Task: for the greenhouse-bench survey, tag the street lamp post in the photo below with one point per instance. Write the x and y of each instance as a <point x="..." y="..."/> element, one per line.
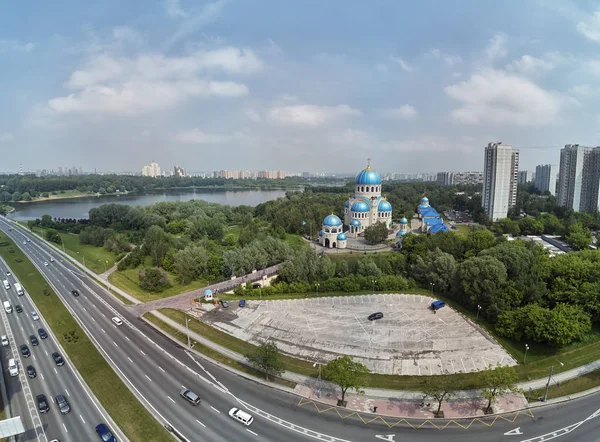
<point x="526" y="349"/>
<point x="478" y="309"/>
<point x="187" y="328"/>
<point x="432" y="284"/>
<point x="319" y="383"/>
<point x="317" y="285"/>
<point x="548" y="383"/>
<point x="373" y="282"/>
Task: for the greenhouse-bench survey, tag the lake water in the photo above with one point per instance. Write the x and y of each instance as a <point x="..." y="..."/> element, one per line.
<point x="79" y="207"/>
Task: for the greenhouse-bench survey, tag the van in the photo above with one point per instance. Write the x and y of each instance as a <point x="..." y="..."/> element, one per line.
<point x="6" y="284"/>
<point x="436" y="305"/>
<point x="19" y="289"/>
<point x="7" y="307"/>
<point x="13" y="368"/>
<point x="241" y="416"/>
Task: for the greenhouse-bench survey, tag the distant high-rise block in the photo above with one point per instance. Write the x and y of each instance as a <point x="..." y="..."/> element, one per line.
<point x="151" y="170"/>
<point x="500" y="175"/>
<point x="579" y="178"/>
<point x="525" y="176"/>
<point x="455" y="178"/>
<point x="545" y="178"/>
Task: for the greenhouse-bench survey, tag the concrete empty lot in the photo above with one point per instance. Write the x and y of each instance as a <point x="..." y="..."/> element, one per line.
<point x="409" y="340"/>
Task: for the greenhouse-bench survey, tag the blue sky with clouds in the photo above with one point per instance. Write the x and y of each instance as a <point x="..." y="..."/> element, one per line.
<point x="309" y="85"/>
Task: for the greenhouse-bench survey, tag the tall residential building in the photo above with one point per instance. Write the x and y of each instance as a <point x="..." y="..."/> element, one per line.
<point x="500" y="175"/>
<point x="545" y="178"/>
<point x="525" y="176"/>
<point x="153" y="170"/>
<point x="178" y="172"/>
<point x="454" y="178"/>
<point x="579" y="178"/>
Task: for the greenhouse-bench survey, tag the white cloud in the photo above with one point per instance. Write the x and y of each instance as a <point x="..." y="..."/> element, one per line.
<point x="309" y="115"/>
<point x="174" y="9"/>
<point x="498" y="97"/>
<point x="15" y="46"/>
<point x="209" y="14"/>
<point x="402" y="63"/>
<point x="404" y="112"/>
<point x="350" y="136"/>
<point x="593" y="66"/>
<point x="591" y="27"/>
<point x="253" y="115"/>
<point x="497" y="47"/>
<point x="197" y="136"/>
<point x="449" y="60"/>
<point x="532" y="65"/>
<point x="581" y="89"/>
<point x="125" y="34"/>
<point x="6" y="137"/>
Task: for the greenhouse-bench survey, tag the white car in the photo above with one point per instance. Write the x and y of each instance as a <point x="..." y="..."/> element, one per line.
<point x="28" y="240"/>
<point x="241" y="416"/>
<point x="35" y="316"/>
<point x="45" y="263"/>
<point x="4" y="340"/>
<point x="51" y="259"/>
<point x="24" y="242"/>
<point x="117" y="321"/>
<point x="7" y="273"/>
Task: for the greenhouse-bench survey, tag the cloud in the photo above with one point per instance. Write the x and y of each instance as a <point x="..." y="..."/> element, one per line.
<point x="591" y="27"/>
<point x="210" y="13"/>
<point x="498" y="97"/>
<point x="15" y="46"/>
<point x="148" y="82"/>
<point x="125" y="34"/>
<point x="253" y="115"/>
<point x="6" y="137"/>
<point x="197" y="136"/>
<point x="582" y="90"/>
<point x="350" y="136"/>
<point x="404" y="112"/>
<point x="497" y="47"/>
<point x="593" y="67"/>
<point x="403" y="65"/>
<point x="174" y="10"/>
<point x="309" y="115"/>
<point x="449" y="60"/>
<point x="532" y="65"/>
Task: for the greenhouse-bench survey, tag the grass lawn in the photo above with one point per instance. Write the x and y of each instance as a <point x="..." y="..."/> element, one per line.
<point x="128" y="280"/>
<point x="95" y="257"/>
<point x="182" y="338"/>
<point x="295" y="241"/>
<point x="117" y="399"/>
<point x="566" y="388"/>
<point x="463" y="228"/>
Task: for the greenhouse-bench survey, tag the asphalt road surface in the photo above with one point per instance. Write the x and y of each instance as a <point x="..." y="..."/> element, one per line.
<point x="156" y="369"/>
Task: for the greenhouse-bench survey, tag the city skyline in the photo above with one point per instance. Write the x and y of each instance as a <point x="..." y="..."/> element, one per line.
<point x="207" y="83"/>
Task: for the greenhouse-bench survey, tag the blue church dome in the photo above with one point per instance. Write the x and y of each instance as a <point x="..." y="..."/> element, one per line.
<point x="384" y="206"/>
<point x="347" y="203"/>
<point x="403" y="220"/>
<point x="368" y="176"/>
<point x="402" y="233"/>
<point x="424" y="200"/>
<point x="332" y="221"/>
<point x="360" y="206"/>
<point x="320" y="233"/>
<point x="341" y="237"/>
<point x="355" y="223"/>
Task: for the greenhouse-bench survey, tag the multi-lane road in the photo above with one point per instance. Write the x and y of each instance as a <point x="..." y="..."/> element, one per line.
<point x="156" y="369"/>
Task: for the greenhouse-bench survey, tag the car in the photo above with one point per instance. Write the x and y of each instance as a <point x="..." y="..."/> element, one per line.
<point x="190" y="396"/>
<point x="28" y="240"/>
<point x="117" y="321"/>
<point x="42" y="333"/>
<point x="45" y="263"/>
<point x="25" y="351"/>
<point x="374" y="316"/>
<point x="42" y="403"/>
<point x="31" y="372"/>
<point x="58" y="359"/>
<point x="51" y="259"/>
<point x="18" y="308"/>
<point x="241" y="416"/>
<point x="104" y="433"/>
<point x="74" y="292"/>
<point x="24" y="242"/>
<point x="35" y="316"/>
<point x="242" y="303"/>
<point x="4" y="340"/>
<point x="224" y="303"/>
<point x="34" y="340"/>
<point x="7" y="273"/>
<point x="62" y="403"/>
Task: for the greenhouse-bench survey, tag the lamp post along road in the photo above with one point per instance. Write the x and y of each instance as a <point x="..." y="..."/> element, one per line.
<point x="373" y="282"/>
<point x="317" y="288"/>
<point x="187" y="328"/>
<point x="432" y="284"/>
<point x="319" y="383"/>
<point x="526" y="349"/>
<point x="549" y="379"/>
<point x="478" y="309"/>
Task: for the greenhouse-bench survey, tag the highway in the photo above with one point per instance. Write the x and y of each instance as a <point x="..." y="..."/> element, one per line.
<point x="156" y="369"/>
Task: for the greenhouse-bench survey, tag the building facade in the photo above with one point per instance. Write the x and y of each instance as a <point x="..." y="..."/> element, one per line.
<point x="456" y="178"/>
<point x="525" y="176"/>
<point x="579" y="178"/>
<point x="545" y="178"/>
<point x="431" y="221"/>
<point x="500" y="175"/>
<point x="151" y="170"/>
<point x="332" y="233"/>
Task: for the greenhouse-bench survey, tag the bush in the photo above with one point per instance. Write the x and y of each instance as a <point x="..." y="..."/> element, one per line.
<point x="131" y="261"/>
<point x="153" y="280"/>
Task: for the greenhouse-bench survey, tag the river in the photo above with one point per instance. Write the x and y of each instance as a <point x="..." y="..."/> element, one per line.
<point x="80" y="207"/>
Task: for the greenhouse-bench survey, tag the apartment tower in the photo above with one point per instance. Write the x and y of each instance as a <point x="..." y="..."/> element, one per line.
<point x="545" y="178"/>
<point x="579" y="178"/>
<point x="500" y="177"/>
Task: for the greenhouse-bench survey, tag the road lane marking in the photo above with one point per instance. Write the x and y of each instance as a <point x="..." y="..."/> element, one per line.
<point x="148" y="378"/>
<point x="84" y="309"/>
<point x="82" y="419"/>
<point x="46" y="352"/>
<point x="34" y="358"/>
<point x="55" y="370"/>
<point x="103" y="314"/>
<point x="127" y="338"/>
<point x="115" y="344"/>
<point x="200" y="423"/>
<point x="102" y="330"/>
<point x="93" y="319"/>
<point x="67" y="392"/>
<point x="42" y="375"/>
<point x="130" y="359"/>
<point x="171" y="399"/>
<point x="142" y="351"/>
<point x="250" y="431"/>
<point x="215" y="409"/>
<point x="65" y="427"/>
<point x="161" y="369"/>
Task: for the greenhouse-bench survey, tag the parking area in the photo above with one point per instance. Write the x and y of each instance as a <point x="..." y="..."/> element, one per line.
<point x="409" y="340"/>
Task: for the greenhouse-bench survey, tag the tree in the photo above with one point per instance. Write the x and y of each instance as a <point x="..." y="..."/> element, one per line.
<point x="52" y="235"/>
<point x="346" y="373"/>
<point x="376" y="233"/>
<point x="157" y="242"/>
<point x="498" y="381"/>
<point x="46" y="221"/>
<point x="579" y="237"/>
<point x="441" y="389"/>
<point x="266" y="359"/>
<point x="531" y="226"/>
<point x="190" y="263"/>
<point x="153" y="280"/>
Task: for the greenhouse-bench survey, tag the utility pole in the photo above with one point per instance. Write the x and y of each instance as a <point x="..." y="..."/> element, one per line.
<point x="187" y="328"/>
<point x="548" y="383"/>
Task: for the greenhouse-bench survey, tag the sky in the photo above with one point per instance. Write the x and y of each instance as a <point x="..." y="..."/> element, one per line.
<point x="306" y="85"/>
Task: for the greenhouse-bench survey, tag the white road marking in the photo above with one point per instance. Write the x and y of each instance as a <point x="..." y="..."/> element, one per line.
<point x="148" y="378"/>
<point x="250" y="431"/>
<point x="130" y="360"/>
<point x="103" y="314"/>
<point x="215" y="409"/>
<point x="171" y="399"/>
<point x="41" y="375"/>
<point x="84" y="309"/>
<point x="514" y="432"/>
<point x="93" y="319"/>
<point x="55" y="370"/>
<point x="142" y="351"/>
<point x="200" y="423"/>
<point x="115" y="344"/>
<point x="127" y="338"/>
<point x="67" y="392"/>
<point x="46" y="352"/>
<point x="65" y="427"/>
<point x="102" y="330"/>
<point x="161" y="369"/>
<point x="82" y="418"/>
<point x="34" y="358"/>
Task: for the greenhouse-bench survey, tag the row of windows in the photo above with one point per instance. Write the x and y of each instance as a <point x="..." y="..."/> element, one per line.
<point x="371" y="189"/>
<point x="360" y="215"/>
<point x="333" y="230"/>
<point x="384" y="214"/>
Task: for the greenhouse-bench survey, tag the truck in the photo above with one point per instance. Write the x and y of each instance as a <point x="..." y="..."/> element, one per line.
<point x="19" y="289"/>
<point x="7" y="307"/>
<point x="6" y="284"/>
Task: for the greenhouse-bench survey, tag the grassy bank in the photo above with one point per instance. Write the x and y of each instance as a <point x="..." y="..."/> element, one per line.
<point x="566" y="388"/>
<point x="182" y="338"/>
<point x="116" y="398"/>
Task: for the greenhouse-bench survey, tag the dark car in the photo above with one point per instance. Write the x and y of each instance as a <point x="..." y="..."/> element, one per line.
<point x="18" y="308"/>
<point x="42" y="403"/>
<point x="190" y="396"/>
<point x="58" y="358"/>
<point x="105" y="433"/>
<point x="34" y="340"/>
<point x="375" y="316"/>
<point x="224" y="303"/>
<point x="63" y="404"/>
<point x="25" y="351"/>
<point x="74" y="292"/>
<point x="242" y="303"/>
<point x="31" y="371"/>
<point x="42" y="333"/>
